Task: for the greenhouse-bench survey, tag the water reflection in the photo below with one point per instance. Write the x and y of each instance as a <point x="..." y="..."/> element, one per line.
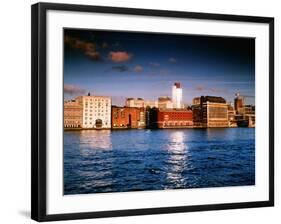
<point x="95" y="169"/>
<point x="177" y="150"/>
<point x="92" y="140"/>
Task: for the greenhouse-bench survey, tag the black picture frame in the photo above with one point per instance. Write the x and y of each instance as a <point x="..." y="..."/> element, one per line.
<point x="38" y="108"/>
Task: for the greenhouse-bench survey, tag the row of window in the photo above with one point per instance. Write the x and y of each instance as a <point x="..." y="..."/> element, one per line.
<point x="97" y="111"/>
<point x="177" y="124"/>
<point x="98" y="106"/>
<point x="90" y="123"/>
<point x="97" y="99"/>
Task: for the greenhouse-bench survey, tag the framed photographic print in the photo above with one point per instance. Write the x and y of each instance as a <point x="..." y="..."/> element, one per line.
<point x="138" y="111"/>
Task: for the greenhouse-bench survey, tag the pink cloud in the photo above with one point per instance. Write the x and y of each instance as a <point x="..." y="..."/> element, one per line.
<point x="138" y="68"/>
<point x="88" y="48"/>
<point x="119" y="56"/>
<point x="199" y="88"/>
<point x="73" y="89"/>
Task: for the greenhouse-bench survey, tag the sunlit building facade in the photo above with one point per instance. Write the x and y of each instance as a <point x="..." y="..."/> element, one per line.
<point x="72" y="114"/>
<point x="96" y="111"/>
<point x="134" y="102"/>
<point x="172" y="118"/>
<point x="165" y="102"/>
<point x="127" y="117"/>
<point x="177" y="96"/>
<point x="210" y="112"/>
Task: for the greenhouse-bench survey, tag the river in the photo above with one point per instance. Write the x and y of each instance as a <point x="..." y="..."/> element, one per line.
<point x="133" y="160"/>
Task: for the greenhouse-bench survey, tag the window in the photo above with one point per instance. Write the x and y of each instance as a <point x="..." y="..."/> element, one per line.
<point x="115" y="114"/>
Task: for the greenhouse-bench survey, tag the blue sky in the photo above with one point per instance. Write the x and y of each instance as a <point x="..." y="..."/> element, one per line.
<point x="123" y="64"/>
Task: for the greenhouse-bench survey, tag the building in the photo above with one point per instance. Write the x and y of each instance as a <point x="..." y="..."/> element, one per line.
<point x="96" y="111"/>
<point x="246" y="117"/>
<point x="72" y="114"/>
<point x="177" y="95"/>
<point x="174" y="118"/>
<point x="238" y="103"/>
<point x="231" y="116"/>
<point x="210" y="112"/>
<point x="151" y="103"/>
<point x="196" y="101"/>
<point x="165" y="102"/>
<point x="134" y="102"/>
<point x="127" y="117"/>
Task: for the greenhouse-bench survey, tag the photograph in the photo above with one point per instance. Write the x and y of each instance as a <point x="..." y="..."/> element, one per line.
<point x="150" y="111"/>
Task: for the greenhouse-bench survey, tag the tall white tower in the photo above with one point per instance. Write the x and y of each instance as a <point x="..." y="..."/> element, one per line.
<point x="177" y="95"/>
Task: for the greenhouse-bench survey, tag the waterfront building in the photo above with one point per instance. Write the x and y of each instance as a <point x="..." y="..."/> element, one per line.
<point x="247" y="116"/>
<point x="177" y="95"/>
<point x="210" y="112"/>
<point x="96" y="111"/>
<point x="231" y="116"/>
<point x="134" y="102"/>
<point x="127" y="117"/>
<point x="72" y="113"/>
<point x="165" y="102"/>
<point x="174" y="118"/>
<point x="238" y="103"/>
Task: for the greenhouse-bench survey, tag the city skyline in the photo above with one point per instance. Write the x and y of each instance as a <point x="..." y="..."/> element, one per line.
<point x="122" y="65"/>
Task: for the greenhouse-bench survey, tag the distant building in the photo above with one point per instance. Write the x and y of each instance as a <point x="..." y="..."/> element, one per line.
<point x="196" y="101"/>
<point x="150" y="103"/>
<point x="140" y="103"/>
<point x="210" y="112"/>
<point x="165" y="103"/>
<point x="127" y="117"/>
<point x="177" y="95"/>
<point x="96" y="111"/>
<point x="134" y="102"/>
<point x="231" y="116"/>
<point x="72" y="113"/>
<point x="174" y="118"/>
<point x="238" y="103"/>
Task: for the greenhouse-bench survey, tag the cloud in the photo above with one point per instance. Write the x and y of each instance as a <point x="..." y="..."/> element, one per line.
<point x="120" y="68"/>
<point x="199" y="88"/>
<point x="93" y="55"/>
<point x="163" y="71"/>
<point x="138" y="68"/>
<point x="172" y="60"/>
<point x="73" y="89"/>
<point x="119" y="56"/>
<point x="88" y="48"/>
<point x="154" y="64"/>
<point x="215" y="90"/>
<point x="105" y="45"/>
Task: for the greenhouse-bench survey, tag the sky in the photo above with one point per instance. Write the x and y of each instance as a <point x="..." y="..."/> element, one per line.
<point x="146" y="65"/>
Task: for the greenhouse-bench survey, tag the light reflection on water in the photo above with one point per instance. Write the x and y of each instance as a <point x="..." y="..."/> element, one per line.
<point x="129" y="160"/>
<point x="177" y="149"/>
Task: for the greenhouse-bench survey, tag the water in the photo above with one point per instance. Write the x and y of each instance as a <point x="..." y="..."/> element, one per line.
<point x="133" y="160"/>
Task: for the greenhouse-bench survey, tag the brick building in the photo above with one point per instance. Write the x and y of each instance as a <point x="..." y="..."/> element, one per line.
<point x="127" y="117"/>
<point x="73" y="112"/>
<point x="174" y="118"/>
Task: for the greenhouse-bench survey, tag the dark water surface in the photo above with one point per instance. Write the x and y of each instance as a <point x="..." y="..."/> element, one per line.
<point x="130" y="160"/>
